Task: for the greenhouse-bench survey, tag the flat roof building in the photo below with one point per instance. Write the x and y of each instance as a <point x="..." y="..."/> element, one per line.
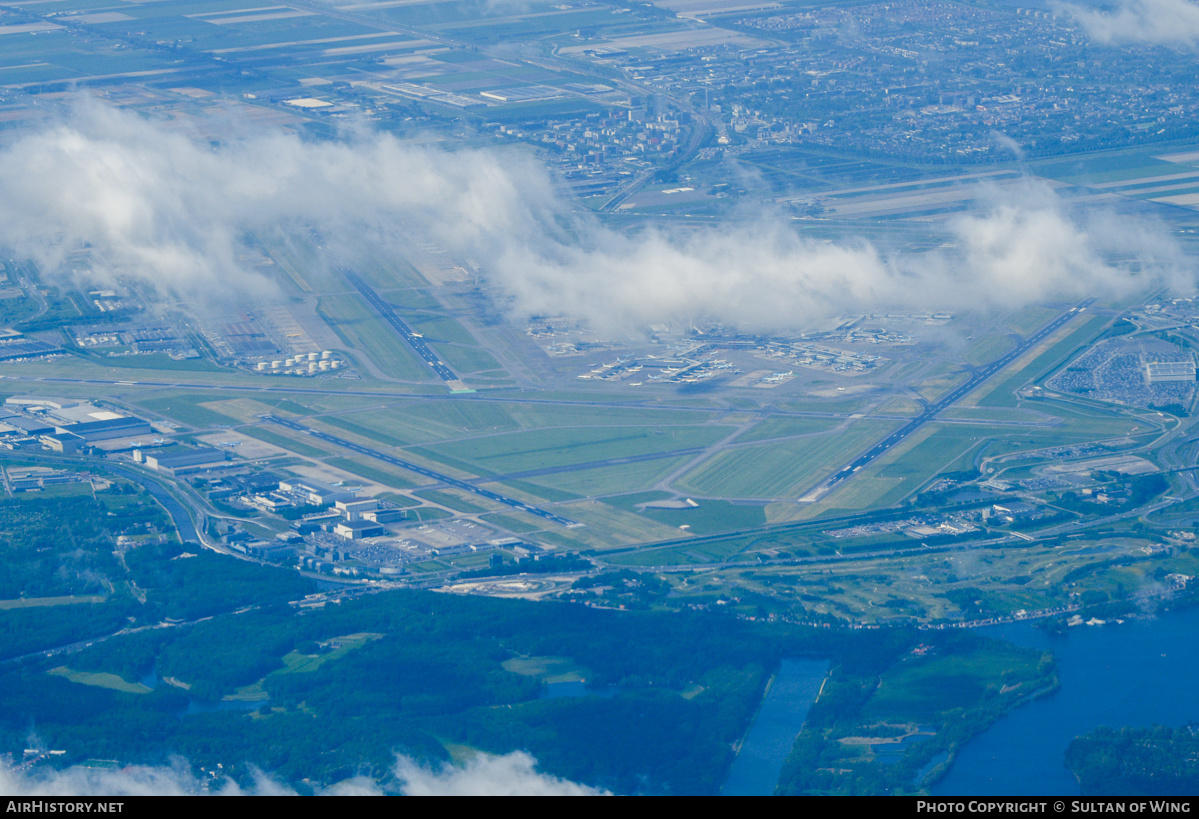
<point x="29" y="426"/>
<point x="181" y="461"/>
<point x="1157" y="372"/>
<point x="317" y="493"/>
<point x="353" y="509"/>
<point x="62" y="442"/>
<point x="107" y="429"/>
<point x="358" y="529"/>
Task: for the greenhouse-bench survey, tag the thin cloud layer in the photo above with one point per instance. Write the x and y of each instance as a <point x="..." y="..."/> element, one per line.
<point x="1020" y="247"/>
<point x="1167" y="22"/>
<point x="134" y="780"/>
<point x="172" y="213"/>
<point x="513" y="774"/>
<point x="162" y="209"/>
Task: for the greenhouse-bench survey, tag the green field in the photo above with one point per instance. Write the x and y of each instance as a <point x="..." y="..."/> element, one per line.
<point x="430" y="421"/>
<point x="286" y="442"/>
<point x="776" y="427"/>
<point x="611" y="480"/>
<point x="780" y="470"/>
<point x="921" y="689"/>
<point x="101" y="679"/>
<point x="376" y="471"/>
<point x="1001" y="393"/>
<point x="472" y="361"/>
<point x="538" y="449"/>
<point x="451" y="499"/>
<point x="364" y="434"/>
<point x="989" y="348"/>
<point x="905" y="469"/>
<point x="357" y="325"/>
<point x="709" y="552"/>
<point x="709" y="517"/>
<point x="35" y="602"/>
<point x="547" y="669"/>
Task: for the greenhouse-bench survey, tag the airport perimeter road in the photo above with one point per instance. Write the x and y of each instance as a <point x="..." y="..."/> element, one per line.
<point x="389" y="315"/>
<point x="420" y="470"/>
<point x="980" y="376"/>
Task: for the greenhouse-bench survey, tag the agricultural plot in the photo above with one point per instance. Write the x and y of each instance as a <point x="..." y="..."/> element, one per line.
<point x="483" y="32"/>
<point x="1113" y="166"/>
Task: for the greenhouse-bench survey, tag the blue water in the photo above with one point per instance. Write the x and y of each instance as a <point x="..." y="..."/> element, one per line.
<point x="889" y="753"/>
<point x="198" y="707"/>
<point x="755" y="771"/>
<point x="1137" y="674"/>
<point x="576" y="689"/>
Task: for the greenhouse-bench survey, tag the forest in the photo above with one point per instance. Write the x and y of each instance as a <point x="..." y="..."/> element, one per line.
<point x="1154" y="761"/>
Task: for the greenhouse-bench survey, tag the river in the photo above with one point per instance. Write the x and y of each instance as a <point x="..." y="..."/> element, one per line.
<point x="755" y="771"/>
<point x="1139" y="673"/>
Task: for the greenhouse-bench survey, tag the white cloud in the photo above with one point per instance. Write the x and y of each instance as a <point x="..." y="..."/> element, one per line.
<point x="174" y="780"/>
<point x="513" y="774"/>
<point x="1021" y="246"/>
<point x="170" y="211"/>
<point x="1169" y="22"/>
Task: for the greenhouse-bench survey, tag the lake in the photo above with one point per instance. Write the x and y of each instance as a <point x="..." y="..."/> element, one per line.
<point x="1136" y="674"/>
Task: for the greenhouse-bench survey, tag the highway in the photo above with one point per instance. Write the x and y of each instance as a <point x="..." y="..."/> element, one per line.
<point x="981" y="375"/>
<point x="389" y="315"/>
<point x="420" y="470"/>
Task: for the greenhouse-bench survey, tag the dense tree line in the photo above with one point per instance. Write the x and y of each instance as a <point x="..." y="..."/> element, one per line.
<point x="1156" y="761"/>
